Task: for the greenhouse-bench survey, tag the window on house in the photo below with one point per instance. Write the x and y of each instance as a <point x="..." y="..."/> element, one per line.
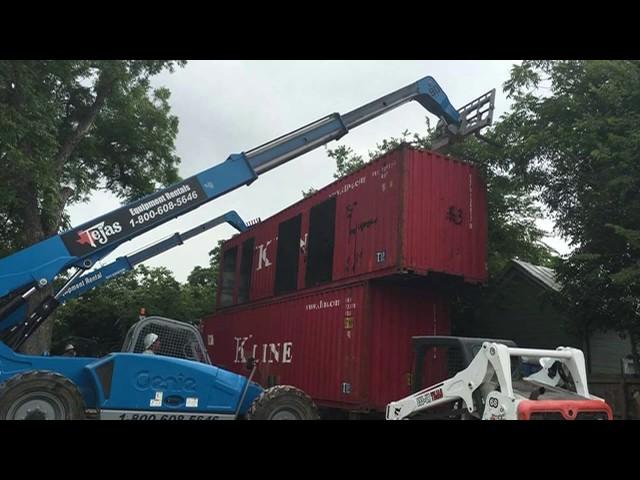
<point x="287" y="255"/>
<point x="228" y="277"/>
<point x="246" y="262"/>
<point x="322" y="225"/>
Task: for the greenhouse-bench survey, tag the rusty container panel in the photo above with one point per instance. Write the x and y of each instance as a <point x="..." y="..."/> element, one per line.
<point x="368" y="212"/>
<point x="265" y="246"/>
<point x="347" y="347"/>
<point x="312" y="341"/>
<point x="445" y="223"/>
<point x="399" y="312"/>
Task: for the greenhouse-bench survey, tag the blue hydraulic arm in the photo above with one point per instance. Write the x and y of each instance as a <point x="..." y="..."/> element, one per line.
<point x="126" y="263"/>
<point x="18" y="333"/>
<point x="23" y="272"/>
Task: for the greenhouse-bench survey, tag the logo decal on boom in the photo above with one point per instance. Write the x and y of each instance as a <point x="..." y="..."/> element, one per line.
<point x="98" y="233"/>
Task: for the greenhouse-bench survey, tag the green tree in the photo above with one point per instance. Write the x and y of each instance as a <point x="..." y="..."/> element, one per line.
<point x="69" y="127"/>
<point x="310" y="191"/>
<point x="103" y="315"/>
<point x="574" y="133"/>
<point x="202" y="286"/>
<point x="347" y="161"/>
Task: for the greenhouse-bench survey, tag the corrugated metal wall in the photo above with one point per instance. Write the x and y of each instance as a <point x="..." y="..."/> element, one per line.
<point x="445" y="224"/>
<point x="316" y="352"/>
<point x="399" y="312"/>
<point x="346" y="347"/>
<point x="367" y="219"/>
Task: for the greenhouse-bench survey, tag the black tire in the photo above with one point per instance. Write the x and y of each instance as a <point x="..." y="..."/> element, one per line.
<point x="283" y="402"/>
<point x="40" y="395"/>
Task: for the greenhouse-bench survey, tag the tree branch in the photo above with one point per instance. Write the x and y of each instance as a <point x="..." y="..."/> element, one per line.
<point x="32" y="223"/>
<point x="52" y="216"/>
<point x="104" y="86"/>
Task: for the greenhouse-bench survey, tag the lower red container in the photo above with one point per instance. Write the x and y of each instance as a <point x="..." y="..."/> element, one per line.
<point x="347" y="347"/>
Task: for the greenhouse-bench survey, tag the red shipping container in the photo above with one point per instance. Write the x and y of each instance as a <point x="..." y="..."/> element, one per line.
<point x="410" y="212"/>
<point x="348" y="347"/>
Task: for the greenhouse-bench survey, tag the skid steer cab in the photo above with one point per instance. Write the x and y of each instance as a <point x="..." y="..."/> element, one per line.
<point x="176" y="382"/>
<point x="496" y="380"/>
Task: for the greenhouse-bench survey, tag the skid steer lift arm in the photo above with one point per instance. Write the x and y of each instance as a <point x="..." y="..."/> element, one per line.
<point x="493" y="360"/>
<point x="35" y="267"/>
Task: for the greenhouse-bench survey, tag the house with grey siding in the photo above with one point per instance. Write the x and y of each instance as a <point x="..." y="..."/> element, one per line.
<point x="521" y="308"/>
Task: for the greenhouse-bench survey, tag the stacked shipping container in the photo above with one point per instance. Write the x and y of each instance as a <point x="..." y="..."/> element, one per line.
<point x="319" y="291"/>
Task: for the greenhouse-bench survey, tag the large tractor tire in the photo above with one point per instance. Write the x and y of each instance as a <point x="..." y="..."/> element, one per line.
<point x="283" y="402"/>
<point x="40" y="395"/>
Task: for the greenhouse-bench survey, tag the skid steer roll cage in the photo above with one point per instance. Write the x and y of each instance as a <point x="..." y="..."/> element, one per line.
<point x="493" y="359"/>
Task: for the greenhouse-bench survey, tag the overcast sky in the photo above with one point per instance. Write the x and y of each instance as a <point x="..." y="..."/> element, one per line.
<point x="228" y="107"/>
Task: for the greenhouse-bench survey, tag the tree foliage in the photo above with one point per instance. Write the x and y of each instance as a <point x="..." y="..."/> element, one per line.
<point x="573" y="132"/>
<point x="103" y="315"/>
<point x="202" y="286"/>
<point x="307" y="193"/>
<point x="69" y="127"/>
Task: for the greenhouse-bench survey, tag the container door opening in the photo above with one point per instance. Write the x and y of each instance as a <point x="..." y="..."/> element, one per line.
<point x="246" y="262"/>
<point x="287" y="255"/>
<point x="322" y="225"/>
<point x="228" y="277"/>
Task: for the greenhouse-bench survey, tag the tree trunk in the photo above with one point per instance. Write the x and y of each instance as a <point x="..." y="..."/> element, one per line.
<point x="33" y="232"/>
<point x="42" y="224"/>
<point x="38" y="227"/>
<point x="40" y="341"/>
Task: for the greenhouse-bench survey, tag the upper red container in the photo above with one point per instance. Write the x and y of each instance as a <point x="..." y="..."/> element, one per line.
<point x="408" y="212"/>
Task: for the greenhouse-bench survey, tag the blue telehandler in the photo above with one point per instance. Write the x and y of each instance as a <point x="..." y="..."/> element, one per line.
<point x="130" y="385"/>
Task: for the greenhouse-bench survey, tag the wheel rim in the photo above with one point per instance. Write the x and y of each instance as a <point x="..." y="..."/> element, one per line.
<point x="285" y="414"/>
<point x="37" y="406"/>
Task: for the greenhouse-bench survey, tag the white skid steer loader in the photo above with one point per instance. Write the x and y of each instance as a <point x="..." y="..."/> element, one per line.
<point x="490" y="388"/>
